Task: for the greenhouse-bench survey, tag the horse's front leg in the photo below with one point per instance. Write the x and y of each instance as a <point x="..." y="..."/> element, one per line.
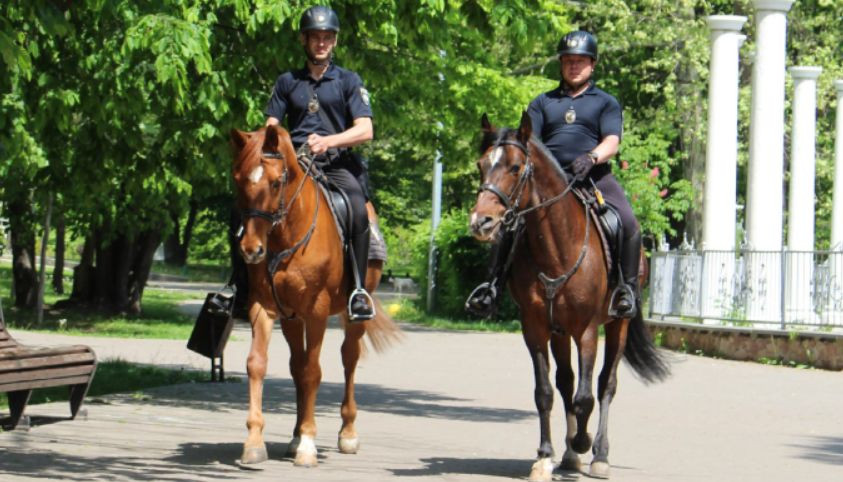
<point x="348" y="440"/>
<point x="254" y="450"/>
<point x="561" y="348"/>
<point x="311" y="377"/>
<point x="584" y="398"/>
<point x="606" y="386"/>
<point x="536" y="335"/>
<point x="294" y="333"/>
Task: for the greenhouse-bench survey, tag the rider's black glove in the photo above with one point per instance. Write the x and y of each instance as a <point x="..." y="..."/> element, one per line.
<point x="582" y="166"/>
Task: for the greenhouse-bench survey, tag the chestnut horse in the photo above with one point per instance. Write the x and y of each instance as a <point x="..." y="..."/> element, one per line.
<point x="560" y="282"/>
<point x="297" y="273"/>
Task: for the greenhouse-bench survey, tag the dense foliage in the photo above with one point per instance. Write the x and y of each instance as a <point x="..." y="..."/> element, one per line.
<point x="120" y="110"/>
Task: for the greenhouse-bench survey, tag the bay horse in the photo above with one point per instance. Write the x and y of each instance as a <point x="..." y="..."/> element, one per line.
<point x="297" y="273"/>
<point x="560" y="281"/>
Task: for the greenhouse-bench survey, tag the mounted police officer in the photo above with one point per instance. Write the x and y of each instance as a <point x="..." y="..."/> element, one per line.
<point x="582" y="126"/>
<point x="328" y="109"/>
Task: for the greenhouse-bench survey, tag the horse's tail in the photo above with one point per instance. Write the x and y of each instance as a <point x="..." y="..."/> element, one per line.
<point x="382" y="330"/>
<point x="641" y="354"/>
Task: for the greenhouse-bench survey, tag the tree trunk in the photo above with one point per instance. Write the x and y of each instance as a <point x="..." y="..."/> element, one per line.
<point x="23" y="256"/>
<point x="177" y="244"/>
<point x="104" y="270"/>
<point x="145" y="251"/>
<point x="58" y="262"/>
<point x="122" y="253"/>
<point x="83" y="274"/>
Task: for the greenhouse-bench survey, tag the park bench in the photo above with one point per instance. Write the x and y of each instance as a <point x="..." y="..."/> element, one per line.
<point x="24" y="368"/>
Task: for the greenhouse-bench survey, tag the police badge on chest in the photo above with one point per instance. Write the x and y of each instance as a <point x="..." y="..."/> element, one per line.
<point x="570" y="115"/>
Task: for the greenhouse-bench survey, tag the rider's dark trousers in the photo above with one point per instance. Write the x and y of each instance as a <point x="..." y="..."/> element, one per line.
<point x="340" y="177"/>
<point x="614" y="195"/>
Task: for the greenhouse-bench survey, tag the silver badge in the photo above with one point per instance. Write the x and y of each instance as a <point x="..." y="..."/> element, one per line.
<point x="574" y="42"/>
<point x="313" y="105"/>
<point x="365" y="95"/>
<point x="570" y="115"/>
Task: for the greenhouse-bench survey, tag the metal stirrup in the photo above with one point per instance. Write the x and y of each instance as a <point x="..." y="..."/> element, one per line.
<point x="361" y="292"/>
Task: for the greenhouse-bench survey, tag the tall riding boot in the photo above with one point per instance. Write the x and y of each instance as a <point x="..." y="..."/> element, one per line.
<point x="483" y="300"/>
<point x="361" y="307"/>
<point x="626" y="294"/>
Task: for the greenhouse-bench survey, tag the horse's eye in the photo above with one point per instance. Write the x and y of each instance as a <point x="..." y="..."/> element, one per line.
<point x="515" y="168"/>
<point x="276" y="184"/>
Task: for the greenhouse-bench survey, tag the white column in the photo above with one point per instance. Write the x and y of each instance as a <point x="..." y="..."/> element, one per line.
<point x="766" y="141"/>
<point x="765" y="195"/>
<point x="800" y="228"/>
<point x="721" y="159"/>
<point x="837" y="209"/>
<point x="800" y="232"/>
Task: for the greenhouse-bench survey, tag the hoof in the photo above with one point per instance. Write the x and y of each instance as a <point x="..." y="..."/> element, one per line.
<point x="570" y="461"/>
<point x="581" y="443"/>
<point x="599" y="470"/>
<point x="542" y="470"/>
<point x="348" y="445"/>
<point x="253" y="455"/>
<point x="305" y="453"/>
<point x="292" y="447"/>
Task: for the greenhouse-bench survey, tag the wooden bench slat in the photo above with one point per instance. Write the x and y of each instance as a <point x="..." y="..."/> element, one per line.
<point x="46" y="362"/>
<point x="36" y="352"/>
<point x="45" y="373"/>
<point x="55" y="382"/>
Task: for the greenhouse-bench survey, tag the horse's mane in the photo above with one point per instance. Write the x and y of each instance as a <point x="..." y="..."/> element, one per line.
<point x="491" y="138"/>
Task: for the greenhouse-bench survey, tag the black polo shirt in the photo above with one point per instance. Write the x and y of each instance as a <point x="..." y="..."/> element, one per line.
<point x="341" y="95"/>
<point x="571" y="126"/>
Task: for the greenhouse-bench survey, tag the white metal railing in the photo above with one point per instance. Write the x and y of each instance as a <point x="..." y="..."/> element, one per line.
<point x="783" y="289"/>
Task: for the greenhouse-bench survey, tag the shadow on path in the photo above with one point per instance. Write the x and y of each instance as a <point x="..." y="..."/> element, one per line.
<point x="827" y="450"/>
<point x="279" y="397"/>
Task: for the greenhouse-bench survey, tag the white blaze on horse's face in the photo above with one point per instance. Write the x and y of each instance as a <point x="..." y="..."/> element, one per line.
<point x="256" y="175"/>
<point x="495" y="157"/>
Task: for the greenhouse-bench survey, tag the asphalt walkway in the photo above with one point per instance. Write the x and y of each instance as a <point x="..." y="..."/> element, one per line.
<point x="439" y="406"/>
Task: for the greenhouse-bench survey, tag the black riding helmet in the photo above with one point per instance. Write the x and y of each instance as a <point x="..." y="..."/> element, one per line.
<point x="578" y="42"/>
<point x="319" y="18"/>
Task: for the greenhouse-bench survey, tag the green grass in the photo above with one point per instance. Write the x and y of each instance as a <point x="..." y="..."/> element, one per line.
<point x="160" y="318"/>
<point x="118" y="376"/>
<point x="407" y="311"/>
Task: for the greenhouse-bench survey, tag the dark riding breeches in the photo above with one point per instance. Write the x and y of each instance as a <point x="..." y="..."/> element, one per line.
<point x="614" y="195"/>
<point x="345" y="181"/>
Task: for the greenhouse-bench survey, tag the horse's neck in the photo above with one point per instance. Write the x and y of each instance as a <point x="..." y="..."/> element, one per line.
<point x="299" y="204"/>
<point x="555" y="227"/>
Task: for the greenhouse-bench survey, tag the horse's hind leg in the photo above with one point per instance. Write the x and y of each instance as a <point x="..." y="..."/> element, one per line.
<point x="254" y="450"/>
<point x="606" y="386"/>
<point x="348" y="441"/>
<point x="561" y="347"/>
<point x="584" y="398"/>
<point x="536" y="338"/>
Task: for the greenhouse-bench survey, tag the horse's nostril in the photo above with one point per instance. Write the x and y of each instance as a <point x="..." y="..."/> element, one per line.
<point x="259" y="251"/>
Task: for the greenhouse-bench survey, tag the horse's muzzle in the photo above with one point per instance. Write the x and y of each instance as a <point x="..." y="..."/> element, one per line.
<point x="484" y="227"/>
<point x="253" y="255"/>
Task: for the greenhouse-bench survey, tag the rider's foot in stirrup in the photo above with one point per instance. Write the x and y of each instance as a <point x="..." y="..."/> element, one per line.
<point x="625" y="304"/>
<point x="481" y="301"/>
<point x="360" y="307"/>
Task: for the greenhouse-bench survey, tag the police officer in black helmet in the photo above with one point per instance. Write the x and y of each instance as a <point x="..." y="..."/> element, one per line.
<point x="582" y="126"/>
<point x="328" y="109"/>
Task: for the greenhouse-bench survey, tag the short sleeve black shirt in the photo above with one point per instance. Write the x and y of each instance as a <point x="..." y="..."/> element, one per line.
<point x="571" y="126"/>
<point x="341" y="95"/>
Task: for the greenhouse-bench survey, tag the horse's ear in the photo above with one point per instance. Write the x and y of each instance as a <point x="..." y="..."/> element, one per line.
<point x="238" y="139"/>
<point x="270" y="142"/>
<point x="484" y="122"/>
<point x="525" y="130"/>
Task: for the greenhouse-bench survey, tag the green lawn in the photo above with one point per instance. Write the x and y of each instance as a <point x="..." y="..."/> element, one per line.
<point x="118" y="376"/>
<point x="161" y="317"/>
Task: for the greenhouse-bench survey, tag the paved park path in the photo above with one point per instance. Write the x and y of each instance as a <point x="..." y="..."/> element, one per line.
<point x="439" y="406"/>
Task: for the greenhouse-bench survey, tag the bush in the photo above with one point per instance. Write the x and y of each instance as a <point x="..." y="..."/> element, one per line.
<point x="462" y="264"/>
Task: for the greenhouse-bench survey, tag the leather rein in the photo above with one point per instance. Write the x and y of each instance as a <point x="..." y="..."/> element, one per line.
<point x="513" y="220"/>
